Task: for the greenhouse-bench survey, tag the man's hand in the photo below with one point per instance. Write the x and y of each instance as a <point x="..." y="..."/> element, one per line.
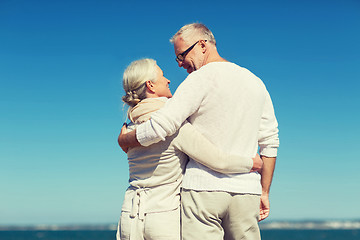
<point x="257" y="163"/>
<point x="266" y="178"/>
<point x="264" y="206"/>
<point x="121" y="138"/>
<point x="127" y="139"/>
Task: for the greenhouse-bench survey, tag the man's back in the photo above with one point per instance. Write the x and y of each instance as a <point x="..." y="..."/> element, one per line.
<point x="230" y="115"/>
<point x="231" y="110"/>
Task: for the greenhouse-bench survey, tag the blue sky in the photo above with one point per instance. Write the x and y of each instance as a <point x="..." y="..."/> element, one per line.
<point x="61" y="64"/>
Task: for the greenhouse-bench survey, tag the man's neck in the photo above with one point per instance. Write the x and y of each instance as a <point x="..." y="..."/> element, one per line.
<point x="214" y="57"/>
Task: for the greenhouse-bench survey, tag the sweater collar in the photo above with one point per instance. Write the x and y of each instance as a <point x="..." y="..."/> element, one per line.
<point x="143" y="110"/>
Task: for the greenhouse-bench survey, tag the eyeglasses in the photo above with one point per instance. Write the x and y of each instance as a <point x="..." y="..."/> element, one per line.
<point x="181" y="57"/>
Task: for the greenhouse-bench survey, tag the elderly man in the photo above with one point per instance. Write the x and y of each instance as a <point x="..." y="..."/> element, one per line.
<point x="232" y="108"/>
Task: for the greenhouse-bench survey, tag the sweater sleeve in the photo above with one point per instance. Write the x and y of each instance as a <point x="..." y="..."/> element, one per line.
<point x="196" y="146"/>
<point x="165" y="122"/>
<point x="268" y="137"/>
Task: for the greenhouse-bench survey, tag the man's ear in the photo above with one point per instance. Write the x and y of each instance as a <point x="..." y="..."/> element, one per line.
<point x="150" y="86"/>
<point x="203" y="46"/>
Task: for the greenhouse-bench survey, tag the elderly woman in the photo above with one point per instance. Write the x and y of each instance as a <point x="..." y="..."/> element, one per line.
<point x="151" y="208"/>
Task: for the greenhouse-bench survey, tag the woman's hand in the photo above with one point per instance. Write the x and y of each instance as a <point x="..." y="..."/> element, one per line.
<point x="257" y="163"/>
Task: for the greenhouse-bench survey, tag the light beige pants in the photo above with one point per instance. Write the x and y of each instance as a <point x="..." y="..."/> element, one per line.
<point x="154" y="226"/>
<point x="219" y="215"/>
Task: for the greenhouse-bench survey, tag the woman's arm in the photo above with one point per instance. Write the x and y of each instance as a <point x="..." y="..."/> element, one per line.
<point x="199" y="148"/>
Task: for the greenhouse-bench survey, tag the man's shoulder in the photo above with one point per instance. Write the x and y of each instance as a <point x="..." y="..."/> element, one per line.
<point x="210" y="69"/>
<point x="222" y="66"/>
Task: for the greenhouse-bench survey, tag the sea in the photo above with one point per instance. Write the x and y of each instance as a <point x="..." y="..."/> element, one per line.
<point x="272" y="234"/>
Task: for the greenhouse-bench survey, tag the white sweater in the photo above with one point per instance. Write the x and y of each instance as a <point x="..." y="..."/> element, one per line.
<point x="156" y="171"/>
<point x="231" y="107"/>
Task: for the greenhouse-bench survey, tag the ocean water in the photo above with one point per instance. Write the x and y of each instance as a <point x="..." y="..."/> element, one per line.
<point x="58" y="235"/>
<point x="110" y="235"/>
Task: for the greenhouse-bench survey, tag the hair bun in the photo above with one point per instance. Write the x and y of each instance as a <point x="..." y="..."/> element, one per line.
<point x="131" y="98"/>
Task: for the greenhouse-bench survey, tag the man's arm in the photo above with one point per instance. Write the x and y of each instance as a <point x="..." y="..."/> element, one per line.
<point x="269" y="143"/>
<point x="267" y="173"/>
<point x="185" y="102"/>
<point x="127" y="139"/>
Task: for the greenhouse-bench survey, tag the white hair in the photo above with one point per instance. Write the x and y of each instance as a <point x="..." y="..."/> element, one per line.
<point x="134" y="80"/>
<point x="194" y="30"/>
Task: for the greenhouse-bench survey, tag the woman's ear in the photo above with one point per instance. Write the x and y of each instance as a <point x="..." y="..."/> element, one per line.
<point x="150" y="86"/>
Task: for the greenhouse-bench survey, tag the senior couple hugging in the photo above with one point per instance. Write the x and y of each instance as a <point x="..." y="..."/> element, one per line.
<point x="194" y="167"/>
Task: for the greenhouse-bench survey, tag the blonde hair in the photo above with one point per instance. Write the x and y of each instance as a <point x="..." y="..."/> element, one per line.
<point x="134" y="80"/>
<point x="189" y="31"/>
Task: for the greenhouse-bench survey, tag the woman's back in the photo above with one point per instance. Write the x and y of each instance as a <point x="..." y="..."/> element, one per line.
<point x="158" y="164"/>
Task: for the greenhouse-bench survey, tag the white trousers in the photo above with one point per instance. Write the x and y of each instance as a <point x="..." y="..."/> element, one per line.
<point x="153" y="226"/>
<point x="219" y="215"/>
